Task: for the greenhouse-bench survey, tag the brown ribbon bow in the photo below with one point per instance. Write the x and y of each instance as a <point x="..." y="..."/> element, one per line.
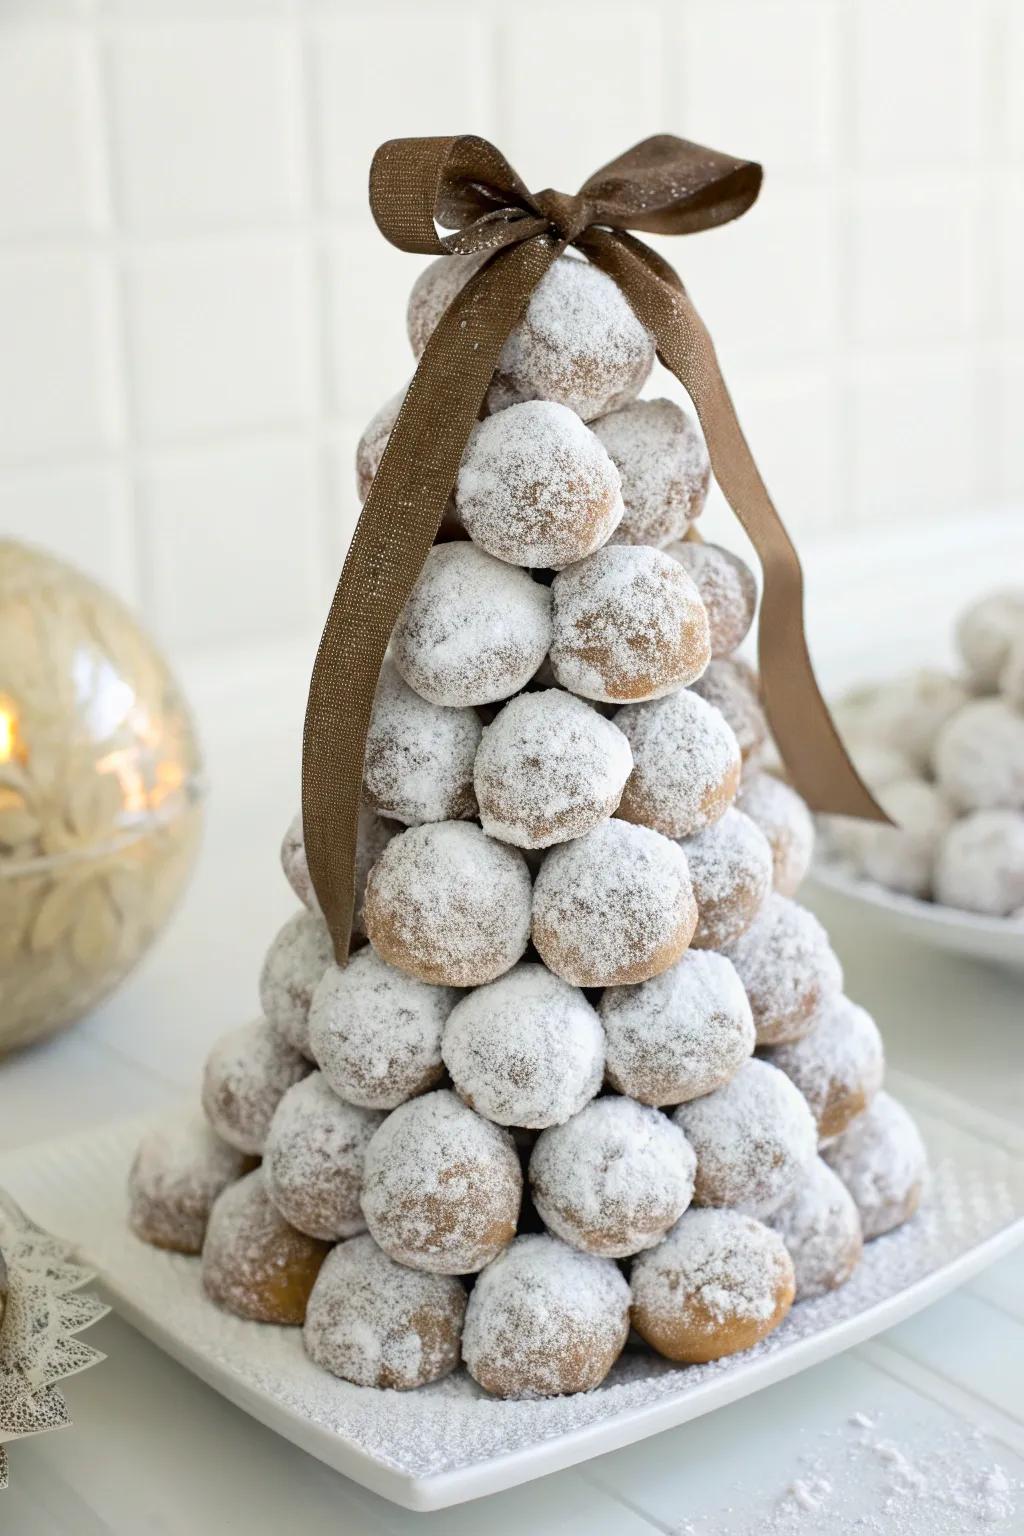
<point x="663" y="186"/>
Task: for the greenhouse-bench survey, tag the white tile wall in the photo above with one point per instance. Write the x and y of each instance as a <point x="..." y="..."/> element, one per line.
<point x="197" y="314"/>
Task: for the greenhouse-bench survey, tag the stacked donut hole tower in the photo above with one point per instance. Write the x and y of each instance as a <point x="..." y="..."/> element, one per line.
<point x="944" y="753"/>
<point x="579" y="1069"/>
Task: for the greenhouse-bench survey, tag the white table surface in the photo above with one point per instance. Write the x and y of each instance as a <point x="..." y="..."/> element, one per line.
<point x="153" y="1450"/>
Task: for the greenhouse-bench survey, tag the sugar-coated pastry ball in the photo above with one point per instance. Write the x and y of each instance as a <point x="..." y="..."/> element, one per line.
<point x="180" y="1168"/>
<point x="441" y="1186"/>
<point x="718" y="1284"/>
<point x="526" y="1050"/>
<point x="686" y="764"/>
<point x="379" y="1324"/>
<point x="979" y="757"/>
<point x="295" y="865"/>
<point x="579" y="342"/>
<point x="254" y="1263"/>
<point x="752" y="1137"/>
<point x="904" y="714"/>
<point x="370" y="448"/>
<point x="295" y="962"/>
<point x="372" y="836"/>
<point x="882" y="1161"/>
<point x="727" y="589"/>
<point x="474" y="629"/>
<point x="313" y="1159"/>
<point x="788" y="967"/>
<point x="613" y="1179"/>
<point x="731" y="869"/>
<point x="787" y="824"/>
<point x="614" y="906"/>
<point x="449" y="904"/>
<point x="660" y="454"/>
<point x="536" y="488"/>
<point x="985" y="633"/>
<point x="684" y="1033"/>
<point x="545" y="1320"/>
<point x="980" y="863"/>
<point x="549" y="768"/>
<point x="732" y="687"/>
<point x="375" y="1032"/>
<point x="820" y="1226"/>
<point x="838" y="1066"/>
<point x="247" y="1074"/>
<point x="902" y="856"/>
<point x="419" y="756"/>
<point x="628" y="624"/>
<point x="1011" y="677"/>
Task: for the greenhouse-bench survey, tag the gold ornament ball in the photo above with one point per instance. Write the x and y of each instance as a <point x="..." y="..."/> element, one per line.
<point x="100" y="793"/>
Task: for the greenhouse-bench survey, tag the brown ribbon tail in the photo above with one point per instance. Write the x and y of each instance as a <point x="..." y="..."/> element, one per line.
<point x="396" y="528"/>
<point x="806" y="736"/>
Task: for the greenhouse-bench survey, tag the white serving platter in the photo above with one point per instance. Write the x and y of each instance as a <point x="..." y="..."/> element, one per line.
<point x="449" y="1443"/>
<point x="995" y="939"/>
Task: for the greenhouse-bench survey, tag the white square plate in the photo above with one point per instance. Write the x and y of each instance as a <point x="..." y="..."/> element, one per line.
<point x="447" y="1443"/>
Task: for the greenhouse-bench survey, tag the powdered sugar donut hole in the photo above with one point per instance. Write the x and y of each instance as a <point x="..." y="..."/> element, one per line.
<point x="682" y="1034"/>
<point x="474" y="629"/>
<point x="526" y="1050"/>
<point x="295" y="962"/>
<point x="370" y="448"/>
<point x="613" y="1179"/>
<point x="178" y="1171"/>
<point x="905" y="714"/>
<point x="979" y="757"/>
<point x="660" y="454"/>
<point x="686" y="764"/>
<point x="902" y="856"/>
<point x="545" y="1320"/>
<point x="378" y="1324"/>
<point x="549" y="768"/>
<point x="787" y="824"/>
<point x="449" y="905"/>
<point x="313" y="1159"/>
<point x="882" y="1161"/>
<point x="838" y="1066"/>
<point x="294" y="864"/>
<point x="254" y="1263"/>
<point x="372" y="835"/>
<point x="375" y="1032"/>
<point x="1011" y="677"/>
<point x="820" y="1226"/>
<point x="980" y="863"/>
<point x="731" y="869"/>
<point x="752" y="1138"/>
<point x="613" y="907"/>
<point x="433" y="291"/>
<point x="628" y="624"/>
<point x="985" y="633"/>
<point x="789" y="969"/>
<point x="579" y="343"/>
<point x="247" y="1074"/>
<point x="441" y="1186"/>
<point x="419" y="756"/>
<point x="536" y="488"/>
<point x="719" y="1283"/>
<point x="727" y="589"/>
<point x="732" y="687"/>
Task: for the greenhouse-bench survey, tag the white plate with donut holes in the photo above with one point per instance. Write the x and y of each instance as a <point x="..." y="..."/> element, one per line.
<point x="449" y="1442"/>
<point x="995" y="939"/>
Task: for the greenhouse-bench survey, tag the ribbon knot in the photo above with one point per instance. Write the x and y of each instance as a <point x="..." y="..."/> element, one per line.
<point x="463" y="185"/>
<point x="567" y="214"/>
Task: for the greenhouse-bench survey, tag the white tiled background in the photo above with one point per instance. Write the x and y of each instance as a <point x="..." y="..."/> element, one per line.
<point x="197" y="315"/>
